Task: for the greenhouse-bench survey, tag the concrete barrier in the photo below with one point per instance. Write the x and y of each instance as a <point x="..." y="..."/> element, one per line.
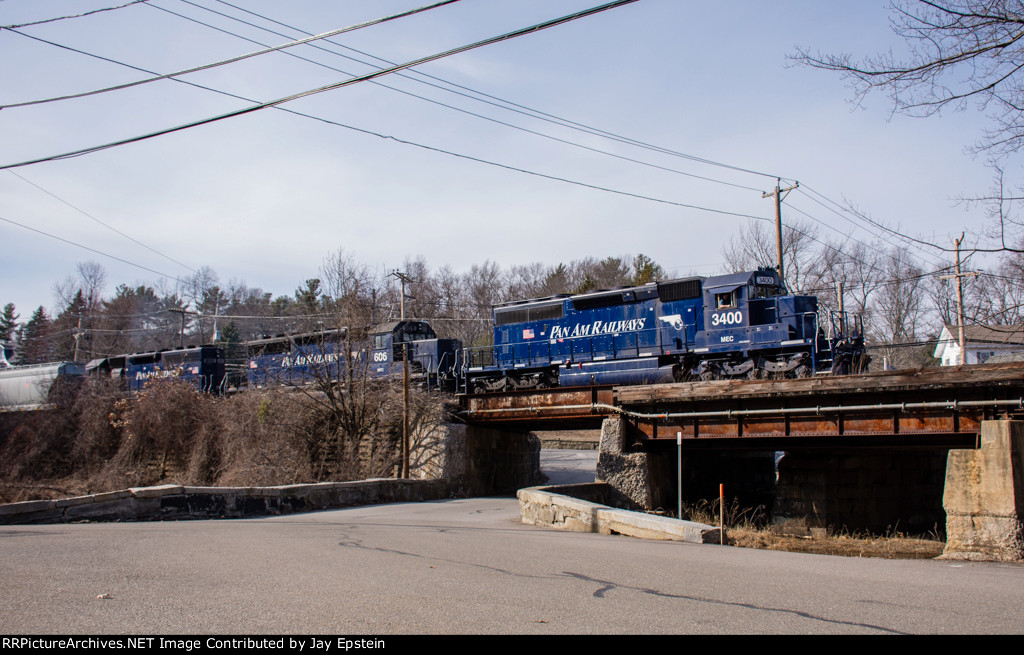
<point x="175" y="502"/>
<point x="577" y="508"/>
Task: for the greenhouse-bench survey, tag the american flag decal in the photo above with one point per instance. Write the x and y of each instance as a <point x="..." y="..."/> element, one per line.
<point x="528" y="333"/>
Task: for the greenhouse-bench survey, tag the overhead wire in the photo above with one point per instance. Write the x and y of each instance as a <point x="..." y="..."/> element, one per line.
<point x="232" y="60"/>
<point x="330" y="87"/>
<point x="519" y="109"/>
<point x="438" y="102"/>
<point x="109" y="227"/>
<point x="562" y="179"/>
<point x="560" y="120"/>
<point x="98" y="252"/>
<point x="912" y="241"/>
<point x="536" y="113"/>
<point x="60" y="18"/>
<point x="389" y="137"/>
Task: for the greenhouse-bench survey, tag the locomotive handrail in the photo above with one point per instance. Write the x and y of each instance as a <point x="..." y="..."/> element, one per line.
<point x="572" y="353"/>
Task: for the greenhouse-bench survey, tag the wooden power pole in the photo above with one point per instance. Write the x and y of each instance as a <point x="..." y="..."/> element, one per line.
<point x="405" y="279"/>
<point x="959" y="298"/>
<point x="777" y="194"/>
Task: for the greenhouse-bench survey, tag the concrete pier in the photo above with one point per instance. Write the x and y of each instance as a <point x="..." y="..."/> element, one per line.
<point x="984" y="496"/>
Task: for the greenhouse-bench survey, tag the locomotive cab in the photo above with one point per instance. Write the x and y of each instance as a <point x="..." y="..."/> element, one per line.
<point x="432" y="361"/>
<point x="387" y="341"/>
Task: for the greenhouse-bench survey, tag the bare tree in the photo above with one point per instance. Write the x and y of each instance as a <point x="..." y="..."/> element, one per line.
<point x="959" y="52"/>
<point x="899" y="310"/>
<point x="755" y="246"/>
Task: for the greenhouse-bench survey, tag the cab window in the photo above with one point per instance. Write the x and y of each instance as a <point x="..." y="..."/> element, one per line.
<point x="761" y="291"/>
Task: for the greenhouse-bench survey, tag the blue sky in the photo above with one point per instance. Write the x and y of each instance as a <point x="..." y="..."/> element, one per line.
<point x="265" y="197"/>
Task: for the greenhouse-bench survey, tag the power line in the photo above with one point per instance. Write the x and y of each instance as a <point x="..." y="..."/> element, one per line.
<point x="438" y="102"/>
<point x="98" y="252"/>
<point x="337" y="85"/>
<point x="535" y="113"/>
<point x="109" y="227"/>
<point x="232" y="60"/>
<point x="913" y="241"/>
<point x="87" y="13"/>
<point x="407" y="142"/>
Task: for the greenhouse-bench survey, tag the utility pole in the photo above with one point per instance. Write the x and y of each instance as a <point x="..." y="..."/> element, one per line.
<point x="78" y="336"/>
<point x="405" y="279"/>
<point x="181" y="342"/>
<point x="777" y="194"/>
<point x="959" y="298"/>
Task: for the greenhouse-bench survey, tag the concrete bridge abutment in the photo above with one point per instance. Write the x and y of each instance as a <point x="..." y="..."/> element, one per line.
<point x="648" y="480"/>
<point x="984" y="496"/>
<point x="475" y="460"/>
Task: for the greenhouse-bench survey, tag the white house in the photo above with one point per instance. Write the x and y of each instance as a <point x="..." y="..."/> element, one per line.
<point x="982" y="343"/>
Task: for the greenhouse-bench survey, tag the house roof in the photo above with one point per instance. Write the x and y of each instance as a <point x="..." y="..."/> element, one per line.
<point x="990" y="334"/>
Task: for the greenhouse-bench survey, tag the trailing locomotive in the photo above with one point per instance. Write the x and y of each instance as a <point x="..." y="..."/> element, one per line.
<point x="306" y="358"/>
<point x="742" y="325"/>
<point x="201" y="366"/>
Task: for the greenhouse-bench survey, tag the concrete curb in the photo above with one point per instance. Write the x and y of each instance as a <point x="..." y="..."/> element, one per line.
<point x="174" y="502"/>
<point x="565" y="508"/>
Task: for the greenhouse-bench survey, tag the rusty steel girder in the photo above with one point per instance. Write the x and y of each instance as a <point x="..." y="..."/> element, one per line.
<point x="940" y="405"/>
<point x="539" y="408"/>
<point x="920" y="406"/>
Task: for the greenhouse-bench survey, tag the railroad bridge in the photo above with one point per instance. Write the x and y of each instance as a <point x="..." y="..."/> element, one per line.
<point x="909" y="450"/>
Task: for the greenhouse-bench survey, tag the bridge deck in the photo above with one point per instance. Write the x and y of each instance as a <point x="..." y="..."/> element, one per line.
<point x="931" y="406"/>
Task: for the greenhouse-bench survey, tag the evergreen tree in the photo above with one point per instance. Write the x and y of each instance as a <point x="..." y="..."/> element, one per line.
<point x="35" y="339"/>
<point x="8" y="323"/>
<point x="65" y="328"/>
<point x="646" y="270"/>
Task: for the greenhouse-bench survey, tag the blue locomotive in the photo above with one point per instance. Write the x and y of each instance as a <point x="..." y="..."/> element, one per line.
<point x="742" y="325"/>
<point x="306" y="358"/>
<point x="200" y="366"/>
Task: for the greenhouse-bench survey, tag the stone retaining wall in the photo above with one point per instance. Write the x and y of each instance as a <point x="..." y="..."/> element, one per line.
<point x="174" y="502"/>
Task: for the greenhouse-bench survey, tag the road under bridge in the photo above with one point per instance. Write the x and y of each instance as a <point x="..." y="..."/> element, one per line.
<point x="894" y="450"/>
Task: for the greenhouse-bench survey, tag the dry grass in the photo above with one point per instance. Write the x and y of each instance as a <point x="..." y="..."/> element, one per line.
<point x="749" y="528"/>
<point x="101" y="440"/>
<point x="893" y="547"/>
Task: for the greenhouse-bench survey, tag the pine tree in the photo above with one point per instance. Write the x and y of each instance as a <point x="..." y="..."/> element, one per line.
<point x="34" y="339"/>
<point x="8" y="323"/>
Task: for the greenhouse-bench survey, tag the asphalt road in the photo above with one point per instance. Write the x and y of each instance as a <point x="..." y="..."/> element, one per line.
<point x="467" y="567"/>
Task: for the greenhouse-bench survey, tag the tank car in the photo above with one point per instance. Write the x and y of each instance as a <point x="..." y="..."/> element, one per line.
<point x="742" y="325"/>
<point x="33" y="387"/>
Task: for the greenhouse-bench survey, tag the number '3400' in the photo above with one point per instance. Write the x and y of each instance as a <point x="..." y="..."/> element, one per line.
<point x="727" y="318"/>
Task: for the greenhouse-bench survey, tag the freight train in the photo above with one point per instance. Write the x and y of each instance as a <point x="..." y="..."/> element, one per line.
<point x="741" y="325"/>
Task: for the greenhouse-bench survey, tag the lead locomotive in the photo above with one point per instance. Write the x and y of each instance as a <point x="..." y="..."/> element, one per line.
<point x="743" y="325"/>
